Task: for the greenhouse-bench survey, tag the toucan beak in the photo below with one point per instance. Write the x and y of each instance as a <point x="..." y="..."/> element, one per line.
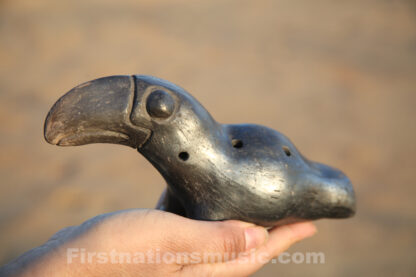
<point x="96" y="112"/>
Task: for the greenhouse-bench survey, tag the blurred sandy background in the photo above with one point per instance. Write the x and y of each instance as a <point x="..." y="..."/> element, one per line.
<point x="337" y="77"/>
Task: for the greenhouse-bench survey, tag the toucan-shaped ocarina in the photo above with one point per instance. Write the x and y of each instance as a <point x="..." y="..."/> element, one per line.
<point x="213" y="171"/>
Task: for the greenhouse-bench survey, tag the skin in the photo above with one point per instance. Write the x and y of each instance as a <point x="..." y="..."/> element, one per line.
<point x="140" y="230"/>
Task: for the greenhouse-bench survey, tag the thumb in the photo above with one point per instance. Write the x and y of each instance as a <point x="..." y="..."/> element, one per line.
<point x="215" y="241"/>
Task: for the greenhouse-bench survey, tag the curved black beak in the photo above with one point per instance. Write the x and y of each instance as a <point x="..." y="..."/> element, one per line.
<point x="96" y="112"/>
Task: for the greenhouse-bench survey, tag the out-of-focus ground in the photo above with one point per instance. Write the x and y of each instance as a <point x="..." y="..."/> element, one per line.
<point x="337" y="77"/>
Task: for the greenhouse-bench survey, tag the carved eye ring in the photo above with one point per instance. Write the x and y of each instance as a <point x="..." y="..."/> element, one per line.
<point x="160" y="104"/>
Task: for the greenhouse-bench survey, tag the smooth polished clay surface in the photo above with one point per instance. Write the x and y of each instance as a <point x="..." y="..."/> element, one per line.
<point x="213" y="171"/>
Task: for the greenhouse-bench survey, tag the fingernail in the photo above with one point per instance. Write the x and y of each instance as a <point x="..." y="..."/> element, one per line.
<point x="255" y="237"/>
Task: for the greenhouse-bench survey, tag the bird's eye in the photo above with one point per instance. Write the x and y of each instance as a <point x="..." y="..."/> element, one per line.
<point x="160" y="104"/>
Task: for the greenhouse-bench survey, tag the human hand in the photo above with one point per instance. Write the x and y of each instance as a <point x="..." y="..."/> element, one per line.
<point x="157" y="243"/>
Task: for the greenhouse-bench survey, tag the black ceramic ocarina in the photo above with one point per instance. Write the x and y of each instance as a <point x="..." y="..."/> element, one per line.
<point x="213" y="171"/>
